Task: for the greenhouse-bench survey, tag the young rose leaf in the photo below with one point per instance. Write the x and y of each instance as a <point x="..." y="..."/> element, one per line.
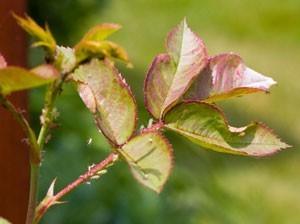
<point x="43" y="37"/>
<point x="15" y="78"/>
<point x="102" y="49"/>
<point x="65" y="59"/>
<point x="101" y="32"/>
<point x="227" y="76"/>
<point x="109" y="98"/>
<point x="93" y="44"/>
<point x="3" y="63"/>
<point x="150" y="159"/>
<point x="170" y="74"/>
<point x="206" y="125"/>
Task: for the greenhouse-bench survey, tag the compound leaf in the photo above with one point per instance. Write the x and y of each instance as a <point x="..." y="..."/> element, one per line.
<point x="109" y="98"/>
<point x="206" y="125"/>
<point x="170" y="74"/>
<point x="150" y="159"/>
<point x="227" y="76"/>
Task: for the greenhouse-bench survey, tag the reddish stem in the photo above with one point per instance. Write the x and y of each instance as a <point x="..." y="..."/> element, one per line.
<point x="81" y="179"/>
<point x="154" y="127"/>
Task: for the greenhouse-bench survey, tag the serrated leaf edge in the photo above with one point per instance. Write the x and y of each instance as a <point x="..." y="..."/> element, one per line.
<point x="171" y="161"/>
<point x="228" y="128"/>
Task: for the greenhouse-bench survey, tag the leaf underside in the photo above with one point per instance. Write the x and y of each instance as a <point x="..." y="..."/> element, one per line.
<point x="226" y="76"/>
<point x="170" y="74"/>
<point x="205" y="125"/>
<point x="109" y="98"/>
<point x="150" y="159"/>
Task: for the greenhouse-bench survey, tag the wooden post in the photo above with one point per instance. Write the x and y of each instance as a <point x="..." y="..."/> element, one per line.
<point x="14" y="155"/>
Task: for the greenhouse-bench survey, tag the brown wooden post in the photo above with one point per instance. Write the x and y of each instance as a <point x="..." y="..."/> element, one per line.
<point x="14" y="155"/>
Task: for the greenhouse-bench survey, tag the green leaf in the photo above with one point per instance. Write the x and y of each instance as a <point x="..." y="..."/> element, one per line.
<point x="43" y="37"/>
<point x="65" y="59"/>
<point x="171" y="74"/>
<point x="4" y="221"/>
<point x="3" y="63"/>
<point x="103" y="49"/>
<point x="93" y="44"/>
<point x="150" y="159"/>
<point x="101" y="32"/>
<point x="109" y="98"/>
<point x="206" y="125"/>
<point x="15" y="78"/>
<point x="227" y="76"/>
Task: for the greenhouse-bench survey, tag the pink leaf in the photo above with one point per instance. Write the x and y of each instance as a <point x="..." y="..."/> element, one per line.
<point x="109" y="98"/>
<point x="170" y="74"/>
<point x="226" y="76"/>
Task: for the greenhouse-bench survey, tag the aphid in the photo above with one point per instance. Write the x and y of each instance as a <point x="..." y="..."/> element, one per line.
<point x="95" y="177"/>
<point x="100" y="172"/>
<point x="150" y="122"/>
<point x="89" y="141"/>
<point x="91" y="166"/>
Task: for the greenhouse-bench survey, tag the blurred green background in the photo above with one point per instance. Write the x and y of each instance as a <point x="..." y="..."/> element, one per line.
<point x="205" y="186"/>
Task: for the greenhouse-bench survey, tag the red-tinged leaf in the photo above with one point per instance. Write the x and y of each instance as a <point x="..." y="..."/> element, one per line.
<point x="171" y="74"/>
<point x="15" y="78"/>
<point x="107" y="95"/>
<point x="3" y="63"/>
<point x="43" y="37"/>
<point x="227" y="76"/>
<point x="87" y="96"/>
<point x="46" y="71"/>
<point x="206" y="125"/>
<point x="150" y="158"/>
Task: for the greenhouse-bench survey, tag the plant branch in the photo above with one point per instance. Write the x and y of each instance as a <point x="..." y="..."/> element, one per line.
<point x="48" y="115"/>
<point x="93" y="171"/>
<point x="33" y="194"/>
<point x="19" y="116"/>
<point x="35" y="158"/>
<point x="153" y="127"/>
